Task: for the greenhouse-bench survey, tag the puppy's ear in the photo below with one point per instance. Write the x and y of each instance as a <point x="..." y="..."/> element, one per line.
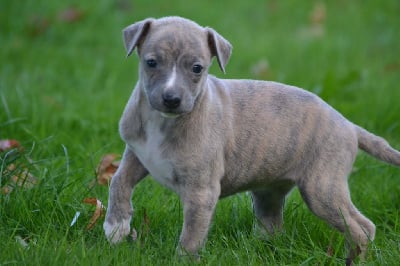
<point x="134" y="33"/>
<point x="219" y="47"/>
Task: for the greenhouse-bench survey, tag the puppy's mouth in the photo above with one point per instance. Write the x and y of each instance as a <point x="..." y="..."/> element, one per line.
<point x="170" y="115"/>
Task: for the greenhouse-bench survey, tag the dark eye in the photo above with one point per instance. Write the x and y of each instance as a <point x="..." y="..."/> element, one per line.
<point x="197" y="69"/>
<point x="151" y="63"/>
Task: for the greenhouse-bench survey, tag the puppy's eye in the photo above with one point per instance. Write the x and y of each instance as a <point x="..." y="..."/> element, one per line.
<point x="197" y="69"/>
<point x="151" y="63"/>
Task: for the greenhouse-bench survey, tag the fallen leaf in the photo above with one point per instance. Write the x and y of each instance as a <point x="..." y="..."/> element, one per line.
<point x="392" y="67"/>
<point x="6" y="144"/>
<point x="330" y="251"/>
<point x="146" y="220"/>
<point x="124" y="5"/>
<point x="24" y="179"/>
<point x="317" y="19"/>
<point x="99" y="211"/>
<point x="37" y="25"/>
<point x="145" y="227"/>
<point x="91" y="201"/>
<point x="261" y="69"/>
<point x="318" y="14"/>
<point x="70" y="15"/>
<point x="6" y="190"/>
<point x="19" y="177"/>
<point x="107" y="168"/>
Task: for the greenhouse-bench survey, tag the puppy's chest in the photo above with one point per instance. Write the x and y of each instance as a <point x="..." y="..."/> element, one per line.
<point x="149" y="152"/>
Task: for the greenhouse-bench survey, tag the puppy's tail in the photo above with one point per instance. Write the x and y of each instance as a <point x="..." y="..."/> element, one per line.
<point x="377" y="147"/>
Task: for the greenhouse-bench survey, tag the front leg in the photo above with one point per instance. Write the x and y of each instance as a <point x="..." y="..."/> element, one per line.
<point x="199" y="205"/>
<point x="119" y="211"/>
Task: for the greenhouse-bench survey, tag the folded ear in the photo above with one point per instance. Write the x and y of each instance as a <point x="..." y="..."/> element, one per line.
<point x="219" y="47"/>
<point x="134" y="33"/>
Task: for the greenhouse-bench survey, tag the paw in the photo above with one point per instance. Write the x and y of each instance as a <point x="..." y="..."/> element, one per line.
<point x="186" y="256"/>
<point x="116" y="232"/>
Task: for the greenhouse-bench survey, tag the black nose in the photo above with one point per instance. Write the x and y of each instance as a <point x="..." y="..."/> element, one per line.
<point x="170" y="100"/>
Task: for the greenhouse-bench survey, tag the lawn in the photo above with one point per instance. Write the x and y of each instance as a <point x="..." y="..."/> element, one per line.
<point x="64" y="81"/>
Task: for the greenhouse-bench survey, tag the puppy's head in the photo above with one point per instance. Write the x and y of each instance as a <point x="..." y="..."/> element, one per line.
<point x="175" y="55"/>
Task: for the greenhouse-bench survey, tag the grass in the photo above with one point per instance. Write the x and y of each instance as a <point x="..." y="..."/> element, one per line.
<point x="64" y="83"/>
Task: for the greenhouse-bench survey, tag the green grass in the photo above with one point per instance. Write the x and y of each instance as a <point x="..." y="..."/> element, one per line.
<point x="63" y="86"/>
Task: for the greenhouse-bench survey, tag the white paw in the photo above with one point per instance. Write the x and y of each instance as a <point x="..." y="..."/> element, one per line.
<point x="117" y="231"/>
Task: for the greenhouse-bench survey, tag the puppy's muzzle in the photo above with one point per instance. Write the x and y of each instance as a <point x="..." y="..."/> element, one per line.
<point x="170" y="100"/>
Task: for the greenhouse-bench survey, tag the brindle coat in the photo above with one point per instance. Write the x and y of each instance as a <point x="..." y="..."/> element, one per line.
<point x="208" y="138"/>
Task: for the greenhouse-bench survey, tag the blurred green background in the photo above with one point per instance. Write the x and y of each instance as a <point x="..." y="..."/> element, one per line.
<point x="63" y="63"/>
<point x="64" y="81"/>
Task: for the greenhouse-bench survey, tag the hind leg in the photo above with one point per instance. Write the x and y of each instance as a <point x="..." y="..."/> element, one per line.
<point x="268" y="206"/>
<point x="328" y="197"/>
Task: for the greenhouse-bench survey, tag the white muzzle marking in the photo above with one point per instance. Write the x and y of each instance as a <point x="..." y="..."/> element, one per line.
<point x="171" y="80"/>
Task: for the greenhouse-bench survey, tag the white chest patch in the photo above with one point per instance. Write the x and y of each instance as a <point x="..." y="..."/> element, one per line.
<point x="149" y="153"/>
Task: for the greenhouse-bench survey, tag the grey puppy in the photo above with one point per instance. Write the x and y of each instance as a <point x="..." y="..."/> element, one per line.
<point x="208" y="138"/>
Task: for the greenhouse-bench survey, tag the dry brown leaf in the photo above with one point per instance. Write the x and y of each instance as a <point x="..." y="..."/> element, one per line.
<point x="19" y="177"/>
<point x="99" y="211"/>
<point x="16" y="175"/>
<point x="107" y="168"/>
<point x="70" y="15"/>
<point x="6" y="190"/>
<point x="317" y="19"/>
<point x="261" y="69"/>
<point x="37" y="25"/>
<point x="124" y="5"/>
<point x="145" y="227"/>
<point x="146" y="220"/>
<point x="318" y="14"/>
<point x="91" y="201"/>
<point x="330" y="251"/>
<point x="6" y="144"/>
<point x="24" y="179"/>
<point x="392" y="67"/>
